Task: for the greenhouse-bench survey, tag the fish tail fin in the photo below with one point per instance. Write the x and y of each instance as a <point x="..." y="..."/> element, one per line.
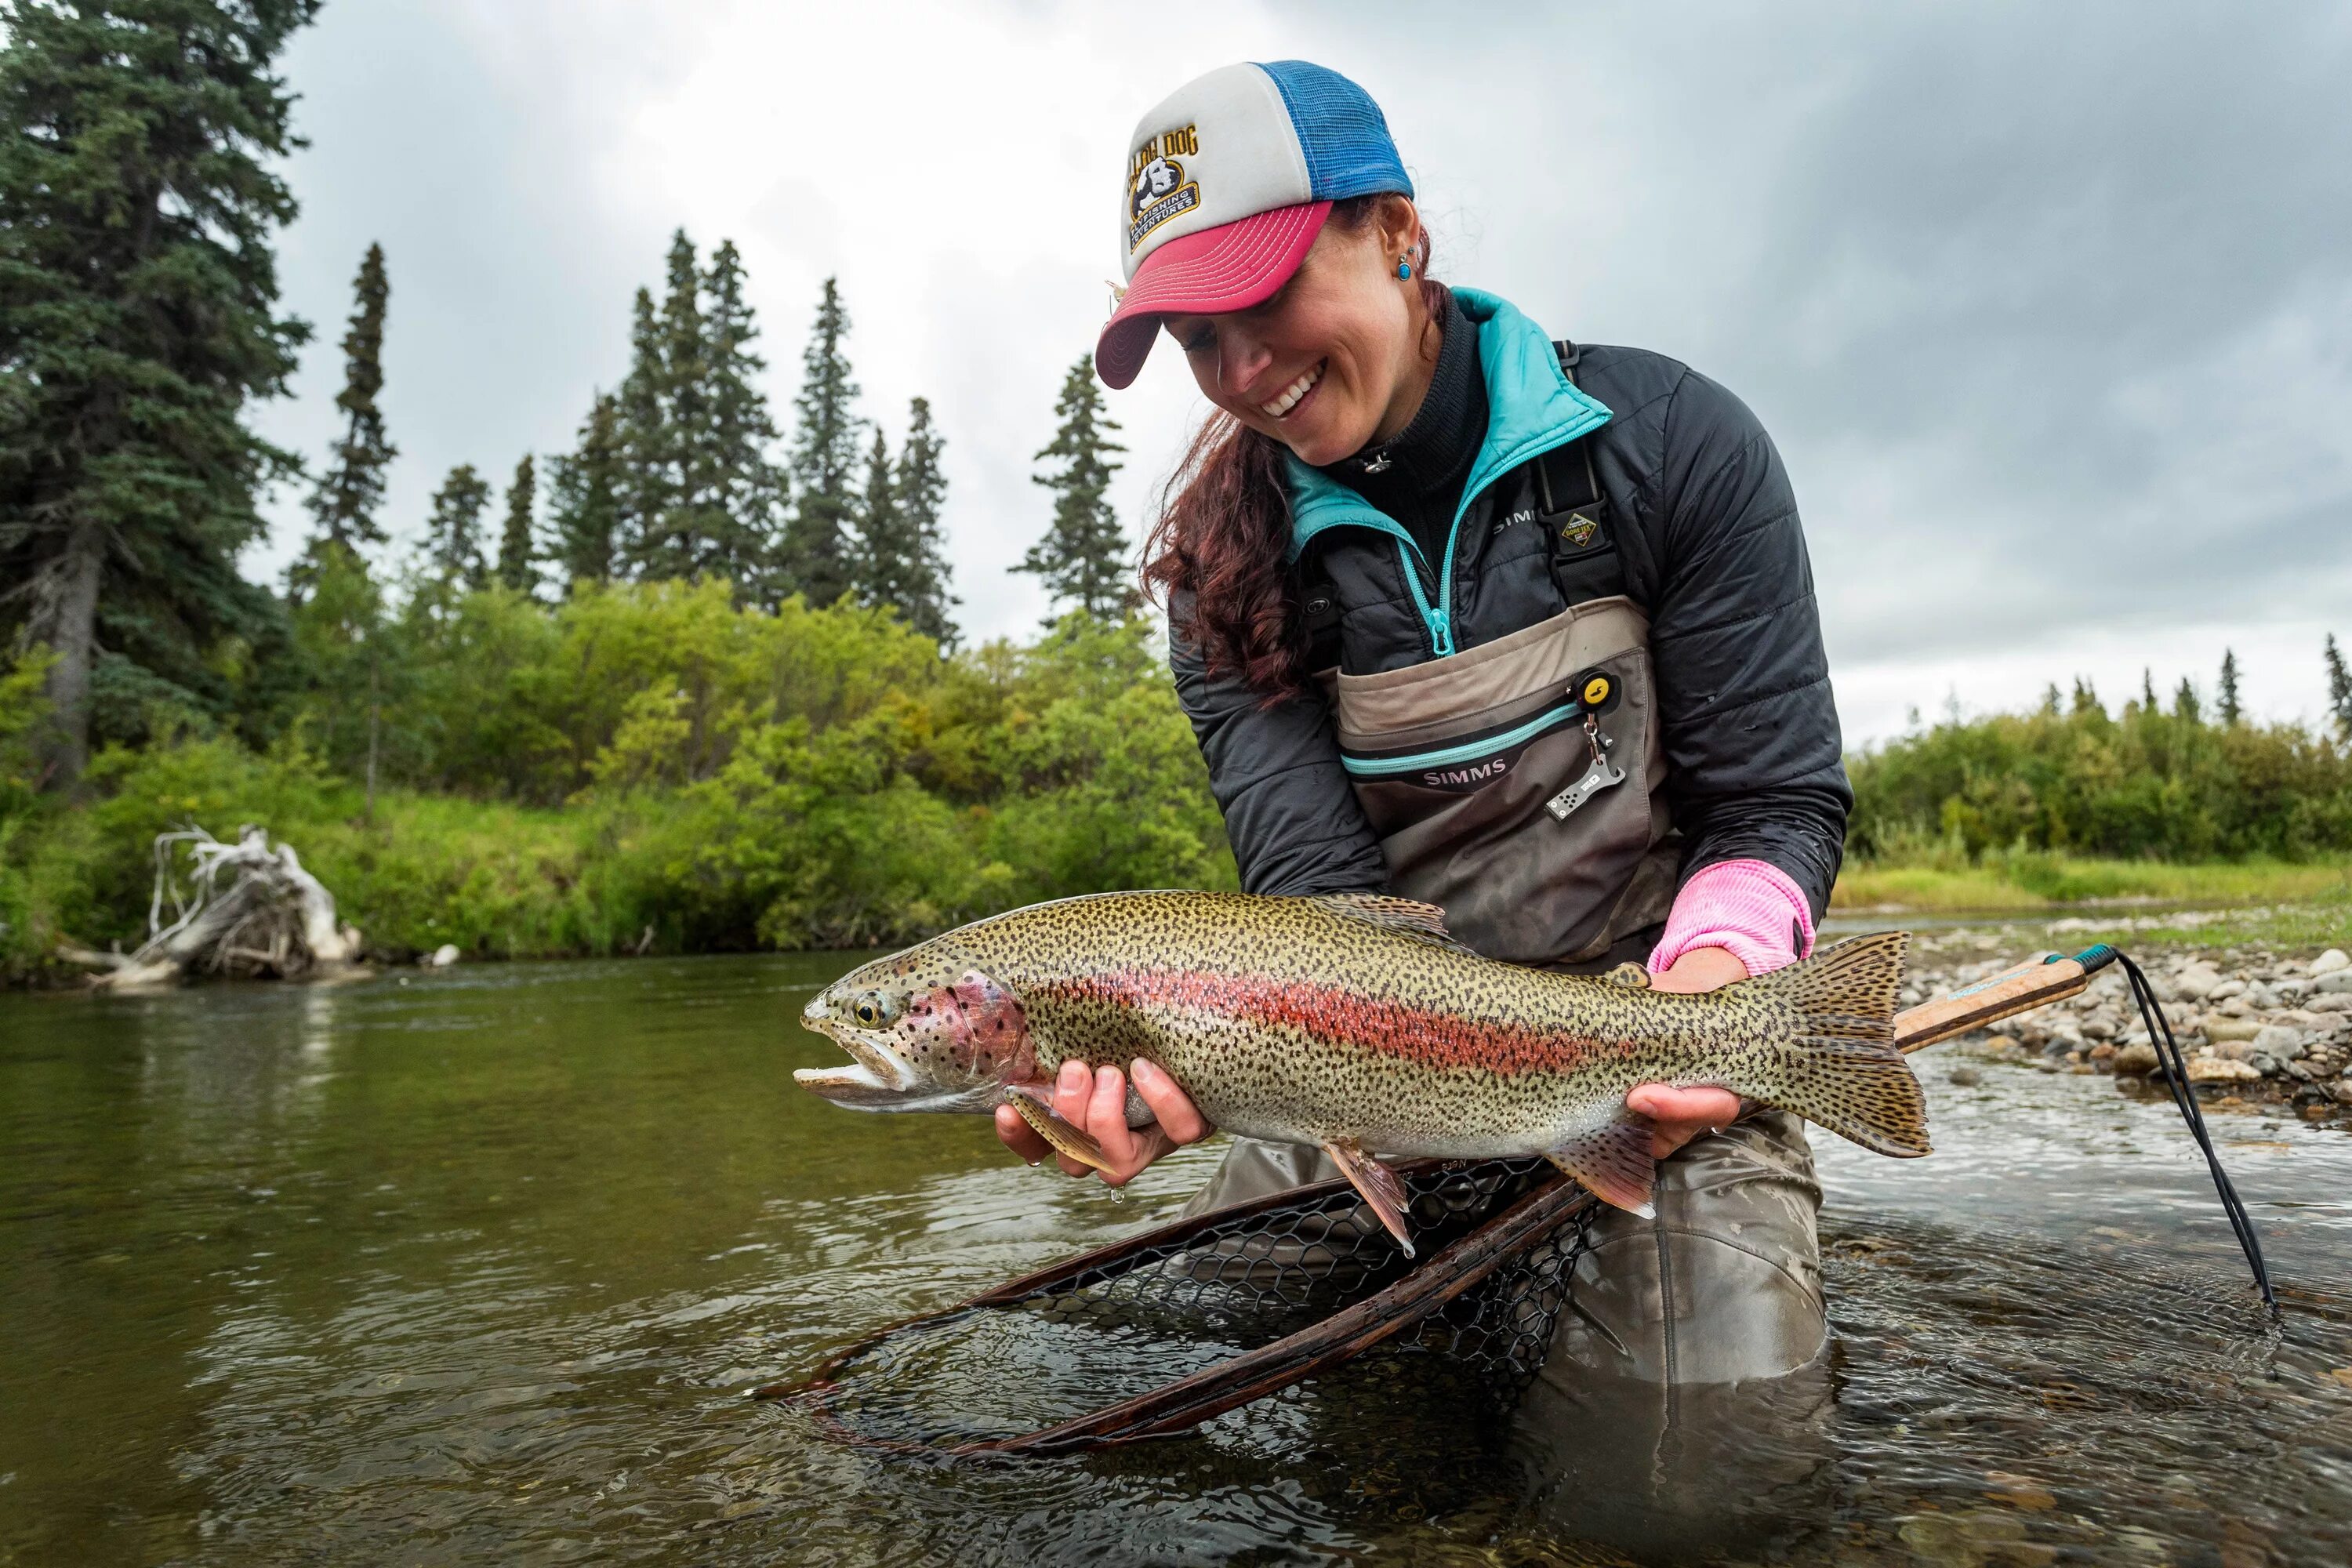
<point x="1842" y="1069"/>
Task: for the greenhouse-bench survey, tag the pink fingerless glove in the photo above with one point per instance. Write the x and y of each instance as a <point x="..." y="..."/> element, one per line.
<point x="1748" y="907"/>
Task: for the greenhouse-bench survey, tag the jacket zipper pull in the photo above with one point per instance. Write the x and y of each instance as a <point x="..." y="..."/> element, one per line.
<point x="1441" y="631"/>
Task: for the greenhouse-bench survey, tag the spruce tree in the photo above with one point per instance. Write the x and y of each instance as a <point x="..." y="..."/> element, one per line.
<point x="731" y="468"/>
<point x="584" y="492"/>
<point x="675" y="542"/>
<point x="2339" y="690"/>
<point x="2086" y="696"/>
<point x="453" y="532"/>
<point x="518" y="547"/>
<point x="2184" y="703"/>
<point x="814" y="557"/>
<point x="2146" y="689"/>
<point x="1084" y="556"/>
<point x="2230" y="712"/>
<point x="138" y="297"/>
<point x="642" y="441"/>
<point x="345" y="501"/>
<point x="921" y="493"/>
<point x="878" y="556"/>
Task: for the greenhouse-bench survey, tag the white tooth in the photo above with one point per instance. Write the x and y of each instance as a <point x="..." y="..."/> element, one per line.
<point x="1291" y="395"/>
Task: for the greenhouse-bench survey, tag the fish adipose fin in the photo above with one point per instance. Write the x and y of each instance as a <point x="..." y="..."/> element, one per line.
<point x="1843" y="1070"/>
<point x="1615" y="1162"/>
<point x="1422" y="922"/>
<point x="1067" y="1138"/>
<point x="1377" y="1184"/>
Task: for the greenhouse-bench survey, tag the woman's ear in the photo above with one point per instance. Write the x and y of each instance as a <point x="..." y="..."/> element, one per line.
<point x="1401" y="230"/>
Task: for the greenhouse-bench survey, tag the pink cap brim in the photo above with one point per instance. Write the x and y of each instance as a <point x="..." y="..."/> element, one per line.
<point x="1229" y="268"/>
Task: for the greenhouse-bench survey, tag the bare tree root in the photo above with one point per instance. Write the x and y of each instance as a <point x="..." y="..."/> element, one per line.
<point x="241" y="909"/>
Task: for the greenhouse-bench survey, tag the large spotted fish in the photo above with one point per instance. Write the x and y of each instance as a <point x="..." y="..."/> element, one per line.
<point x="1354" y="1022"/>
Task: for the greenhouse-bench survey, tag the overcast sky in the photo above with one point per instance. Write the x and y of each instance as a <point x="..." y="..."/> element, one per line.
<point x="2049" y="307"/>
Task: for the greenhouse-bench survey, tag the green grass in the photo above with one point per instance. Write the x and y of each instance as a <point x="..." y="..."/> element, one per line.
<point x="2272" y="904"/>
<point x="2035" y="882"/>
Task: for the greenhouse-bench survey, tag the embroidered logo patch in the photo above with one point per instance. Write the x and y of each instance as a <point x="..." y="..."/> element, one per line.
<point x="1579" y="530"/>
<point x="1156" y="187"/>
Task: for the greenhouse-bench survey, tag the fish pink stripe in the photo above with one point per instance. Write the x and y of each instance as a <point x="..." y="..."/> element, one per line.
<point x="1348" y="1017"/>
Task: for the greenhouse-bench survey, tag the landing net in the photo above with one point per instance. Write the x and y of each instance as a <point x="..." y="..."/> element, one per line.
<point x="1205" y="1314"/>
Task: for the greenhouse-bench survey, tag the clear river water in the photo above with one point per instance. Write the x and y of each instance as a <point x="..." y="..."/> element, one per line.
<point x="476" y="1267"/>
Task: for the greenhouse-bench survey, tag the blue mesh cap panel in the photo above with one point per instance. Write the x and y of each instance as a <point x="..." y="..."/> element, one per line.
<point x="1340" y="130"/>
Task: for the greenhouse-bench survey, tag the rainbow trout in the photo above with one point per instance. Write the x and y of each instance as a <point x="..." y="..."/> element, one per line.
<point x="1354" y="1022"/>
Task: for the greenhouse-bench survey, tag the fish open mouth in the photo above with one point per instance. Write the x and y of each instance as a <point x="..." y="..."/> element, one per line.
<point x="879" y="1079"/>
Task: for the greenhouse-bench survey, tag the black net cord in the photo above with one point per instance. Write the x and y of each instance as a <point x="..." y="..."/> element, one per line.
<point x="2176" y="1076"/>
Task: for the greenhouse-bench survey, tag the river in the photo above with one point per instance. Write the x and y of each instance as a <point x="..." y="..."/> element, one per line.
<point x="475" y="1266"/>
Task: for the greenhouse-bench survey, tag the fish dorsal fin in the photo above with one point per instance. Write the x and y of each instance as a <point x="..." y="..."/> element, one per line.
<point x="1424" y="922"/>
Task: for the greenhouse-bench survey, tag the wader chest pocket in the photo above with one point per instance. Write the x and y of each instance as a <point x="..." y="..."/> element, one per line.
<point x="1514" y="785"/>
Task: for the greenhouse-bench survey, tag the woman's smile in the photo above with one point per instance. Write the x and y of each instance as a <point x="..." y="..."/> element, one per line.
<point x="1287" y="402"/>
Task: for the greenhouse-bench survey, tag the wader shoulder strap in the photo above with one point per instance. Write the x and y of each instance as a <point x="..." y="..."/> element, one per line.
<point x="1585" y="563"/>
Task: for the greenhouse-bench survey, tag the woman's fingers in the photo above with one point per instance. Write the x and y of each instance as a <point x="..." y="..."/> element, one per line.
<point x="1019" y="1136"/>
<point x="1171" y="1106"/>
<point x="1073" y="1087"/>
<point x="1106" y="1119"/>
<point x="1678" y="1115"/>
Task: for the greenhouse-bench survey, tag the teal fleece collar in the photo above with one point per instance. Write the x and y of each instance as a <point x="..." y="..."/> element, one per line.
<point x="1531" y="408"/>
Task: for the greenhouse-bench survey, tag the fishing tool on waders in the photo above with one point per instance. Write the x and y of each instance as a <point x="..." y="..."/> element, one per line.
<point x="1245" y="1302"/>
<point x="1595" y="693"/>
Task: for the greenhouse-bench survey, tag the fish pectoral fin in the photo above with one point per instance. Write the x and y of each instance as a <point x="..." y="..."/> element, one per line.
<point x="1066" y="1137"/>
<point x="1378" y="1185"/>
<point x="1631" y="975"/>
<point x="1614" y="1163"/>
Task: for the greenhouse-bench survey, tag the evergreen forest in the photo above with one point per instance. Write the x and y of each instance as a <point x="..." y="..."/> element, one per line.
<point x="696" y="683"/>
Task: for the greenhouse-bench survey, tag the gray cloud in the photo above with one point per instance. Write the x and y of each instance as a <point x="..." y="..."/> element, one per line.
<point x="2049" y="307"/>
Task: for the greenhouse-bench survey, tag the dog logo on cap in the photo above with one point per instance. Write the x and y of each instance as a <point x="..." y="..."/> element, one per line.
<point x="1157" y="189"/>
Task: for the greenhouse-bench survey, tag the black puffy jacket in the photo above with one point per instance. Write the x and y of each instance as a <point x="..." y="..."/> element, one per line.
<point x="1706" y="540"/>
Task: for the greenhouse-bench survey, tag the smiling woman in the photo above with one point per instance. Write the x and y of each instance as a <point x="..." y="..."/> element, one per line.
<point x="1516" y="627"/>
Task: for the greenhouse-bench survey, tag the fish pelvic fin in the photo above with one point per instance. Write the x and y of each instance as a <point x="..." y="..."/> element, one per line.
<point x="1067" y="1138"/>
<point x="1378" y="1185"/>
<point x="1842" y="1069"/>
<point x="1615" y="1162"/>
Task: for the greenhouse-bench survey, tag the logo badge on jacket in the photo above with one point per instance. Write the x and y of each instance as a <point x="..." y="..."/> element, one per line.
<point x="1582" y="531"/>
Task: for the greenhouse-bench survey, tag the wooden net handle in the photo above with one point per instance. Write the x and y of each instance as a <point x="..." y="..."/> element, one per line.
<point x="2036" y="983"/>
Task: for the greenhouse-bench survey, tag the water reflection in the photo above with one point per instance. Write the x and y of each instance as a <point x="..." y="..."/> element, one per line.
<point x="476" y="1268"/>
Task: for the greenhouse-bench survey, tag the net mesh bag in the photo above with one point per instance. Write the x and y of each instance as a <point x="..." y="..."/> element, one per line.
<point x="1207" y="1313"/>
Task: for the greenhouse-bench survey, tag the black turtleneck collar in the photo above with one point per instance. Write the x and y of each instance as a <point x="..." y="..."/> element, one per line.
<point x="1417" y="478"/>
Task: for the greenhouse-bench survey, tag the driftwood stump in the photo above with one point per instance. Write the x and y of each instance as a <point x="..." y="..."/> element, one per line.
<point x="243" y="909"/>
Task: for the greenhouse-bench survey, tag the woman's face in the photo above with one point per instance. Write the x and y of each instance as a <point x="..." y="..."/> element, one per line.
<point x="1332" y="363"/>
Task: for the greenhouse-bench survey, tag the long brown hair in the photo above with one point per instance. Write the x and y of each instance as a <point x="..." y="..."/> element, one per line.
<point x="1223" y="531"/>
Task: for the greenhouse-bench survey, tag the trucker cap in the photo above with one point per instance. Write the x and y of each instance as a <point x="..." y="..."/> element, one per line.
<point x="1228" y="182"/>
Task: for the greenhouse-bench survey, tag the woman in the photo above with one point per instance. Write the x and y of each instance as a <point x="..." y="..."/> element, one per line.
<point x="1417" y="531"/>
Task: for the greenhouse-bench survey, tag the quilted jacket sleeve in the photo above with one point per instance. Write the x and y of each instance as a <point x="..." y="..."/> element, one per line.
<point x="1746" y="712"/>
<point x="1290" y="810"/>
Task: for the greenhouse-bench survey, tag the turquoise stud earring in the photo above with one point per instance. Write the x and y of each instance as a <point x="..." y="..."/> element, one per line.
<point x="1405" y="267"/>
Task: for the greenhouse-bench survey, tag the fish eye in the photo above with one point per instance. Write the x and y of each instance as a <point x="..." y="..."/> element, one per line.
<point x="867" y="1011"/>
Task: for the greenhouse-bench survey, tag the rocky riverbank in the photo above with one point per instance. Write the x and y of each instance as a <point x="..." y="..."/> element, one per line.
<point x="2257" y="1028"/>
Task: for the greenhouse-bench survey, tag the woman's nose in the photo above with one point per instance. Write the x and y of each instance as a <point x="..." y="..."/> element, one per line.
<point x="1240" y="360"/>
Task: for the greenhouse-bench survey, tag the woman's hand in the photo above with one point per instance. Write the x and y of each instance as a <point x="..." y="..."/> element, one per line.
<point x="1095" y="1103"/>
<point x="1678" y="1115"/>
